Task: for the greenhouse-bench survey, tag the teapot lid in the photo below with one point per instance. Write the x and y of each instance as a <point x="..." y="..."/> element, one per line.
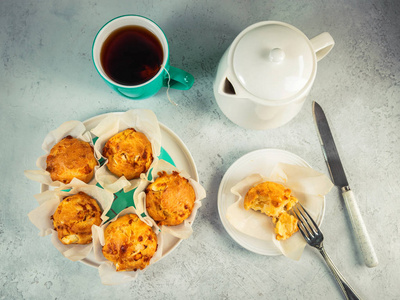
<point x="273" y="60"/>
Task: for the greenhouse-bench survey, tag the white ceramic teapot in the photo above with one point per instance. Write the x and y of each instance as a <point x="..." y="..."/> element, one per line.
<point x="267" y="72"/>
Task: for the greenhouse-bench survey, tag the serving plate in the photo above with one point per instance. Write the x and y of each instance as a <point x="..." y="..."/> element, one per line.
<point x="173" y="151"/>
<point x="261" y="161"/>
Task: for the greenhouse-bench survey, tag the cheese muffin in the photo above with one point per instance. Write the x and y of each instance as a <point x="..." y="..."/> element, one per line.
<point x="129" y="243"/>
<point x="74" y="217"/>
<point x="71" y="158"/>
<point x="129" y="154"/>
<point x="170" y="199"/>
<point x="269" y="198"/>
<point x="274" y="200"/>
<point x="285" y="226"/>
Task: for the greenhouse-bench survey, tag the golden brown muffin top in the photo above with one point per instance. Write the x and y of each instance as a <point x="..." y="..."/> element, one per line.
<point x="270" y="198"/>
<point x="71" y="158"/>
<point x="129" y="243"/>
<point x="74" y="217"/>
<point x="129" y="154"/>
<point x="170" y="199"/>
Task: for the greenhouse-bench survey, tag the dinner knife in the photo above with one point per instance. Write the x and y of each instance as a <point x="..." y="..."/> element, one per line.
<point x="338" y="176"/>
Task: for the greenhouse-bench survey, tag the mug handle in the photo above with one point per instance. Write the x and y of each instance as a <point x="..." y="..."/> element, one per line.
<point x="179" y="79"/>
<point x="322" y="45"/>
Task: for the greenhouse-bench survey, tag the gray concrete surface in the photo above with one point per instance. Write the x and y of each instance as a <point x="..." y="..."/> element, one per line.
<point x="47" y="77"/>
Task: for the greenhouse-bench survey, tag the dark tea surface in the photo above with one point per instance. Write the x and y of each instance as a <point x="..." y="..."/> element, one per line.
<point x="131" y="55"/>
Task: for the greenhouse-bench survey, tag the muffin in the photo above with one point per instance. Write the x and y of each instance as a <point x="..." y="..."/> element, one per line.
<point x="274" y="200"/>
<point x="74" y="217"/>
<point x="71" y="158"/>
<point x="129" y="243"/>
<point x="285" y="226"/>
<point x="269" y="198"/>
<point x="129" y="154"/>
<point x="170" y="199"/>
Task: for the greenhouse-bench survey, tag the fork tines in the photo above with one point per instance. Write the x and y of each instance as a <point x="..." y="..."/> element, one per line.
<point x="308" y="228"/>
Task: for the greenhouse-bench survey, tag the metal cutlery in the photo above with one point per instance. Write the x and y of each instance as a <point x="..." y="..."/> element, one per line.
<point x="314" y="237"/>
<point x="339" y="179"/>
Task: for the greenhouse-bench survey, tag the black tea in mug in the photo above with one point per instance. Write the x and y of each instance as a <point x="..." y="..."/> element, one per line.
<point x="131" y="55"/>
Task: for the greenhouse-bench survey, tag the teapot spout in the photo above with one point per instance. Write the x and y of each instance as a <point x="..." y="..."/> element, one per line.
<point x="228" y="88"/>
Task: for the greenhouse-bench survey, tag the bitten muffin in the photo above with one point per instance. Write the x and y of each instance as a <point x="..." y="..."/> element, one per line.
<point x="270" y="198"/>
<point x="71" y="158"/>
<point x="129" y="154"/>
<point x="274" y="200"/>
<point x="74" y="217"/>
<point x="129" y="243"/>
<point x="170" y="199"/>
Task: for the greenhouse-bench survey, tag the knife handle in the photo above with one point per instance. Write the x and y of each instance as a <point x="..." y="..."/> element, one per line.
<point x="361" y="232"/>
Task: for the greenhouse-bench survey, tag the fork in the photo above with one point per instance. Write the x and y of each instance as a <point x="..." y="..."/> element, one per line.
<point x="314" y="237"/>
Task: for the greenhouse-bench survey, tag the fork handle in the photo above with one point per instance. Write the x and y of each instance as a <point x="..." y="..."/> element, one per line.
<point x="347" y="290"/>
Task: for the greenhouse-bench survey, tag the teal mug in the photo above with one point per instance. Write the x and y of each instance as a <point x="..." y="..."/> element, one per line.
<point x="131" y="54"/>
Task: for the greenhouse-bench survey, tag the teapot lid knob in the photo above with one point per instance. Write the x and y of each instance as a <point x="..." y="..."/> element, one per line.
<point x="276" y="55"/>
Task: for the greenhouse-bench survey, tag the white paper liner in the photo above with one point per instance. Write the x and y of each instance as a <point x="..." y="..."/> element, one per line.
<point x="184" y="230"/>
<point x="75" y="129"/>
<point x="107" y="271"/>
<point x="142" y="120"/>
<point x="307" y="185"/>
<point x="49" y="201"/>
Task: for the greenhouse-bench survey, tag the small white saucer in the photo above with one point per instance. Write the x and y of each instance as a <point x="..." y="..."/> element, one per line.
<point x="261" y="161"/>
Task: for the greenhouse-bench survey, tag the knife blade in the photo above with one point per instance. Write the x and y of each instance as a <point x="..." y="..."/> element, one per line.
<point x="339" y="178"/>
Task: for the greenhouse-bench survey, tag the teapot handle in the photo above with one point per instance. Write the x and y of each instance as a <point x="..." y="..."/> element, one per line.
<point x="322" y="45"/>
